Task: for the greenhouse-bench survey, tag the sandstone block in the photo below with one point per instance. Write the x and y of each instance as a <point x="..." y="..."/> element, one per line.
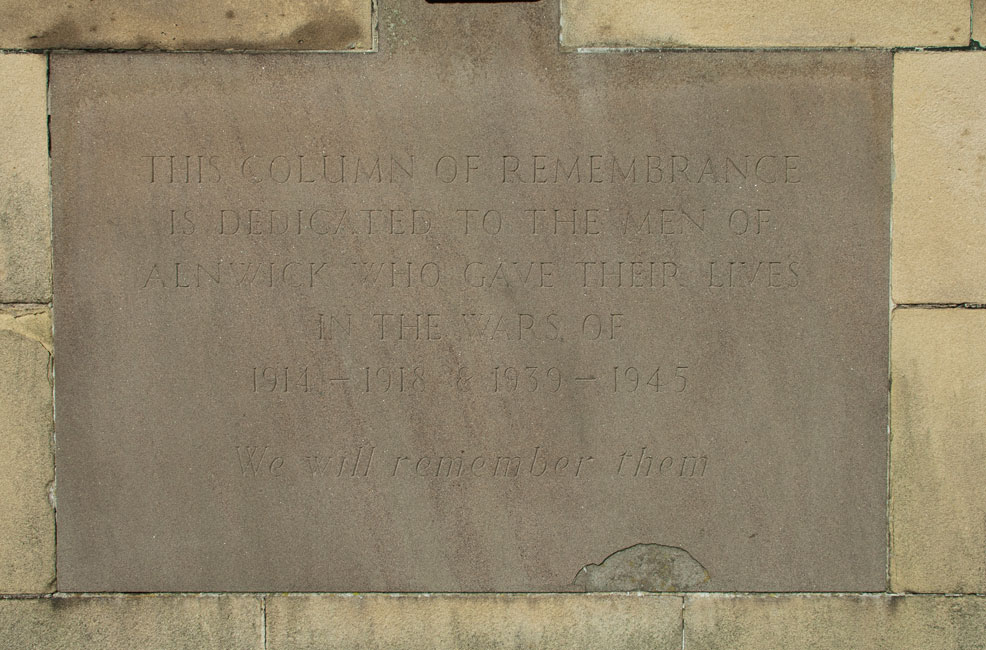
<point x="25" y="208"/>
<point x="125" y="622"/>
<point x="938" y="451"/>
<point x="835" y="622"/>
<point x="552" y="622"/>
<point x="189" y="25"/>
<point x="767" y="23"/>
<point x="940" y="184"/>
<point x="27" y="523"/>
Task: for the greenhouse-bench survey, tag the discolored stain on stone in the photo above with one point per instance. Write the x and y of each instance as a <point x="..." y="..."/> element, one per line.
<point x="188" y="25"/>
<point x="644" y="567"/>
<point x="335" y="32"/>
<point x="61" y="32"/>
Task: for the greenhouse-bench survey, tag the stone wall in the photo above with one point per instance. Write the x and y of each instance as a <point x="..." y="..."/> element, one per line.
<point x="937" y="399"/>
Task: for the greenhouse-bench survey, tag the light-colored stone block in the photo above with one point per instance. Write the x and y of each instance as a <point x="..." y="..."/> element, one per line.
<point x="25" y="206"/>
<point x="938" y="451"/>
<point x="27" y="522"/>
<point x="551" y="622"/>
<point x="835" y="623"/>
<point x="940" y="177"/>
<point x="764" y="23"/>
<point x="188" y="24"/>
<point x="133" y="622"/>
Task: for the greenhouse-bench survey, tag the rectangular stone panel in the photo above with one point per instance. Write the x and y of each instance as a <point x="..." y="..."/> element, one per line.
<point x="765" y="23"/>
<point x="938" y="455"/>
<point x="25" y="204"/>
<point x="329" y="622"/>
<point x="834" y="622"/>
<point x="939" y="181"/>
<point x="188" y="25"/>
<point x="27" y="520"/>
<point x="472" y="316"/>
<point x="124" y="622"/>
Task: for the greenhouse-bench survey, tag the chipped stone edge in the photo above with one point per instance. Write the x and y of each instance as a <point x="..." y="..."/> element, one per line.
<point x="33" y="323"/>
<point x="619" y="558"/>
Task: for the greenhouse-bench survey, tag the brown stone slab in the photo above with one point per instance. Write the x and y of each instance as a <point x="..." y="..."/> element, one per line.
<point x="187" y="25"/>
<point x="242" y="407"/>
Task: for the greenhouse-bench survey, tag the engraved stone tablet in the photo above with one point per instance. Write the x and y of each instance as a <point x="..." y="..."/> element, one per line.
<point x="471" y="314"/>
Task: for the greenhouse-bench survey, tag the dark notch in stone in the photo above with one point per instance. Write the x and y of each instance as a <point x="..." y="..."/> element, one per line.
<point x="457" y="2"/>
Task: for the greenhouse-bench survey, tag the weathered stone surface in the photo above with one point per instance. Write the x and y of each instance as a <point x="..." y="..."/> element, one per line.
<point x="645" y="567"/>
<point x="979" y="21"/>
<point x="549" y="622"/>
<point x="835" y="622"/>
<point x="27" y="521"/>
<point x="130" y="622"/>
<point x="766" y="23"/>
<point x="31" y="323"/>
<point x="940" y="177"/>
<point x="188" y="25"/>
<point x="938" y="455"/>
<point x="285" y="408"/>
<point x="25" y="208"/>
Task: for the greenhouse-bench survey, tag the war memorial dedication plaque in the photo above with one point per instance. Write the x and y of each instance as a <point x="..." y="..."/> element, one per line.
<point x="477" y="316"/>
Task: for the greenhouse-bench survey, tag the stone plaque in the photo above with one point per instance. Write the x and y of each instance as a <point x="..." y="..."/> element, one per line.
<point x="471" y="313"/>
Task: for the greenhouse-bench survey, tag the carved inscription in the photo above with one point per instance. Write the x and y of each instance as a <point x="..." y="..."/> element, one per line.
<point x="620" y="250"/>
<point x="266" y="462"/>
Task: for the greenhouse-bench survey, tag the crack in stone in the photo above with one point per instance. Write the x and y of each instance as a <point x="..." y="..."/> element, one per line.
<point x="33" y="325"/>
